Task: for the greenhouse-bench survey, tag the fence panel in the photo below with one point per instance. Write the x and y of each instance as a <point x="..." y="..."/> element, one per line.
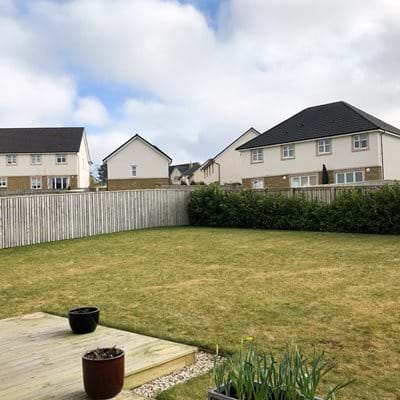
<point x="50" y="217"/>
<point x="324" y="194"/>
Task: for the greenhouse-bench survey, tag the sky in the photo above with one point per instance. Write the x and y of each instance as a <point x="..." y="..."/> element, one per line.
<point x="192" y="75"/>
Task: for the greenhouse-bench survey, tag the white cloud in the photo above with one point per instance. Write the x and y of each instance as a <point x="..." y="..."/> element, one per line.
<point x="267" y="60"/>
<point x="30" y="98"/>
<point x="90" y="111"/>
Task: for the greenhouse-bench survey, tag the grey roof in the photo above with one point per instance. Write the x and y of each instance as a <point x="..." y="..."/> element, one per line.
<point x="181" y="167"/>
<point x="144" y="140"/>
<point x="190" y="171"/>
<point x="326" y="120"/>
<point x="185" y="169"/>
<point x="40" y="140"/>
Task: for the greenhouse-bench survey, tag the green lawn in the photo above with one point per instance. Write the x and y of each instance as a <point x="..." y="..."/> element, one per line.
<point x="203" y="286"/>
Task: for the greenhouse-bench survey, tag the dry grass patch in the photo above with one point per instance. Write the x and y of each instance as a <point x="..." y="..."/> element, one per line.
<point x="205" y="286"/>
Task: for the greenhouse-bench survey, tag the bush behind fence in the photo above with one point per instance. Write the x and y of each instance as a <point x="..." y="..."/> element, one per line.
<point x="51" y="217"/>
<point x="357" y="210"/>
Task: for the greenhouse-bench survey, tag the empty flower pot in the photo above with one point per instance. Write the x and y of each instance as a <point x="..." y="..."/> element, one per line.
<point x="103" y="372"/>
<point x="83" y="319"/>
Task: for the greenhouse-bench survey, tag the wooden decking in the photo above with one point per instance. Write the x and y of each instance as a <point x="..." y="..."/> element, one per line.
<point x="41" y="358"/>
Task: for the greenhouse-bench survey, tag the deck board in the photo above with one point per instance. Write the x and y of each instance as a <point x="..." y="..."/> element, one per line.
<point x="41" y="358"/>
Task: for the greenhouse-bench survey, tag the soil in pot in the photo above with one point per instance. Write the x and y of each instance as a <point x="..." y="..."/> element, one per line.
<point x="83" y="319"/>
<point x="103" y="372"/>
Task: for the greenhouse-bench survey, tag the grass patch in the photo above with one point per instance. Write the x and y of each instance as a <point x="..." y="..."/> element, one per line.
<point x="203" y="286"/>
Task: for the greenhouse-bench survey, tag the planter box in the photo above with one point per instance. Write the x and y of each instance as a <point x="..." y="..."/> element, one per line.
<point x="213" y="395"/>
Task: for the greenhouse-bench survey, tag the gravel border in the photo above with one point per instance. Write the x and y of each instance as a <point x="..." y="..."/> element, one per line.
<point x="204" y="363"/>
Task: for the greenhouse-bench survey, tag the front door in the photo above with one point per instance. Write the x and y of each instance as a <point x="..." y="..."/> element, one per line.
<point x="257" y="183"/>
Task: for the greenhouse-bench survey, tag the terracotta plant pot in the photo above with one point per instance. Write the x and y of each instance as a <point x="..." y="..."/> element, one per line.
<point x="83" y="319"/>
<point x="103" y="378"/>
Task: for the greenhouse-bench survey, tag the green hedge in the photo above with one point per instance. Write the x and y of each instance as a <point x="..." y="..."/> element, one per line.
<point x="352" y="211"/>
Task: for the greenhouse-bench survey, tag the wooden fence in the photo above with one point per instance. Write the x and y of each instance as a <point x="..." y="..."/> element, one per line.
<point x="324" y="194"/>
<point x="46" y="218"/>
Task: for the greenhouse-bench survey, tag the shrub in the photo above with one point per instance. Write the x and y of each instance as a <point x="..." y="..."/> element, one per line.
<point x="352" y="211"/>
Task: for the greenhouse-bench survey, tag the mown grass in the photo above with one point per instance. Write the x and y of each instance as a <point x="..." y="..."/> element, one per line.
<point x="203" y="286"/>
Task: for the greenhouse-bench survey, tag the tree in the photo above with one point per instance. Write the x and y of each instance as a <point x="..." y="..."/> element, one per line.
<point x="102" y="173"/>
<point x="325" y="175"/>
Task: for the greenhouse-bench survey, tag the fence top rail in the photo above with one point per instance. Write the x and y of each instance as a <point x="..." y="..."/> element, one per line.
<point x="60" y="194"/>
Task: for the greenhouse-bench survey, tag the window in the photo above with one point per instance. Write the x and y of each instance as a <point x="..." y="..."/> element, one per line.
<point x="349" y="177"/>
<point x="133" y="170"/>
<point x="36" y="159"/>
<point x="11" y="159"/>
<point x="3" y="182"/>
<point x="58" y="183"/>
<point x="288" y="151"/>
<point x="257" y="183"/>
<point x="360" y="142"/>
<point x="36" y="182"/>
<point x="61" y="158"/>
<point x="257" y="156"/>
<point x="324" y="146"/>
<point x="304" y="181"/>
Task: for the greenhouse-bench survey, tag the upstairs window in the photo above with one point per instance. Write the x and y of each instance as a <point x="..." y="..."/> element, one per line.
<point x="288" y="151"/>
<point x="11" y="159"/>
<point x="257" y="155"/>
<point x="36" y="159"/>
<point x="3" y="182"/>
<point x="324" y="146"/>
<point x="133" y="170"/>
<point x="61" y="158"/>
<point x="360" y="142"/>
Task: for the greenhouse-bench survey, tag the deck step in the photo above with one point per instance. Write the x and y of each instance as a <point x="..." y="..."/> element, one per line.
<point x="41" y="358"/>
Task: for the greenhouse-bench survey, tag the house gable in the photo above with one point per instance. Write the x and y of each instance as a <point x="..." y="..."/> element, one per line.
<point x="137" y="153"/>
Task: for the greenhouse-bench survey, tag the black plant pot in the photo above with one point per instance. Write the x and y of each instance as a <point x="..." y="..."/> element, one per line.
<point x="83" y="319"/>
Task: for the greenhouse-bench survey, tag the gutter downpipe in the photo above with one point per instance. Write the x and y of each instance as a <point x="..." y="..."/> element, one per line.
<point x="219" y="171"/>
<point x="382" y="159"/>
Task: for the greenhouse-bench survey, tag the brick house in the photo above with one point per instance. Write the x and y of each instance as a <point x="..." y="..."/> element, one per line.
<point x="43" y="159"/>
<point x="137" y="164"/>
<point x="353" y="145"/>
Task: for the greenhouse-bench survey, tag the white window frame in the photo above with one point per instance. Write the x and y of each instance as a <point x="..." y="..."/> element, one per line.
<point x="134" y="170"/>
<point x="11" y="159"/>
<point x="38" y="182"/>
<point x="61" y="156"/>
<point x="324" y="146"/>
<point x="36" y="159"/>
<point x="301" y="178"/>
<point x="345" y="176"/>
<point x="52" y="182"/>
<point x="3" y="182"/>
<point x="286" y="150"/>
<point x="360" y="142"/>
<point x="260" y="181"/>
<point x="257" y="156"/>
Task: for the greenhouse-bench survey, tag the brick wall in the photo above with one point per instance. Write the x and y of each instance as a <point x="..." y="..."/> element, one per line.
<point x="374" y="174"/>
<point x="136" y="183"/>
<point x="24" y="182"/>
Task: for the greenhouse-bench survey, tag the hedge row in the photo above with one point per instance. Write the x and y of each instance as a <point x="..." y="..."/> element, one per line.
<point x="352" y="211"/>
